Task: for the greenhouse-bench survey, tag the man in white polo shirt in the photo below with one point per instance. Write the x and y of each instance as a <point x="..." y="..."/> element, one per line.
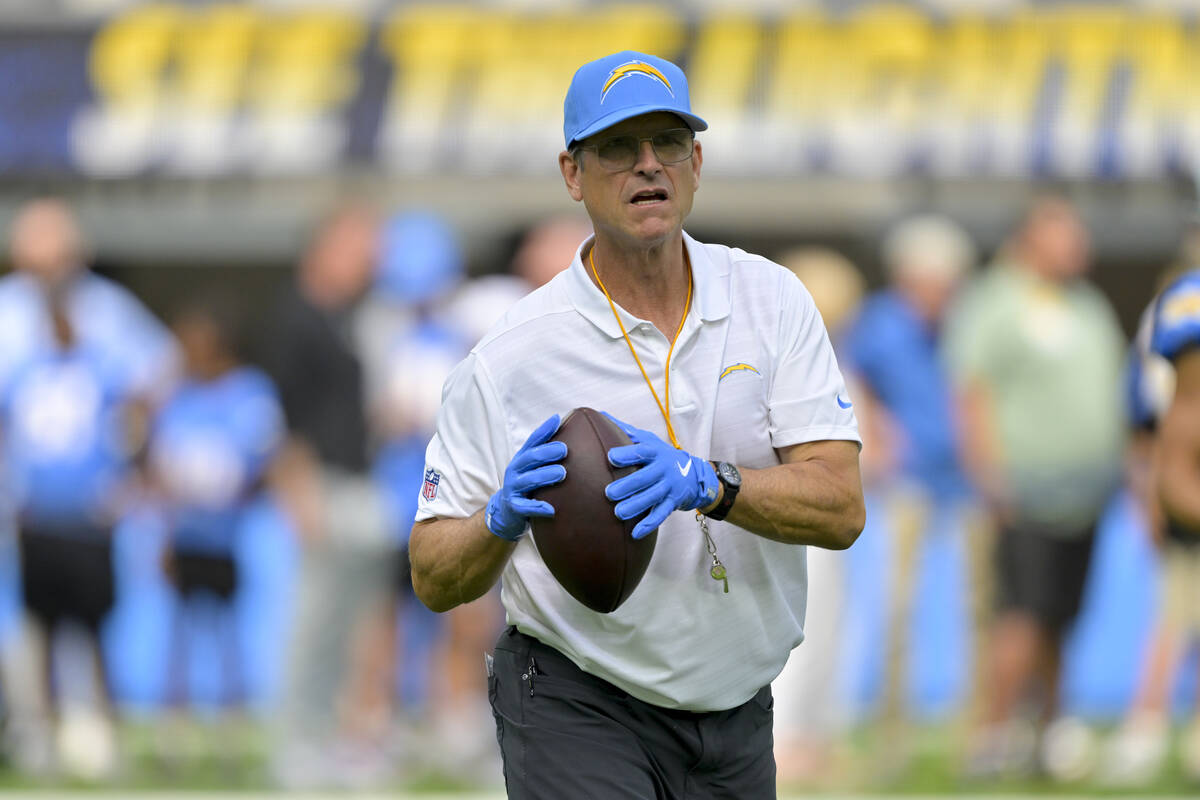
<point x="669" y="695"/>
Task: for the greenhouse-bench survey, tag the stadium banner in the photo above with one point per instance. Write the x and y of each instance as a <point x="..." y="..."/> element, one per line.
<point x="210" y="90"/>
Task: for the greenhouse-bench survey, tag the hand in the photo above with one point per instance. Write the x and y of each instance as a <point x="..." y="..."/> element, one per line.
<point x="669" y="479"/>
<point x="508" y="510"/>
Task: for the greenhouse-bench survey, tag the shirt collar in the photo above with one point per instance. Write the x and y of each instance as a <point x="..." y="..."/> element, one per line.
<point x="710" y="290"/>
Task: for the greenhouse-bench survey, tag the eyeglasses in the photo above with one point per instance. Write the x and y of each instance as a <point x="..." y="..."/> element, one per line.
<point x="619" y="153"/>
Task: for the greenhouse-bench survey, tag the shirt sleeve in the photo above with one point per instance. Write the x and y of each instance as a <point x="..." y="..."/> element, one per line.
<point x="259" y="420"/>
<point x="144" y="346"/>
<point x="807" y="400"/>
<point x="465" y="460"/>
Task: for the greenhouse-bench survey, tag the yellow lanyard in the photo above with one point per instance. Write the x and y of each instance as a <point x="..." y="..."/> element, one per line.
<point x="664" y="408"/>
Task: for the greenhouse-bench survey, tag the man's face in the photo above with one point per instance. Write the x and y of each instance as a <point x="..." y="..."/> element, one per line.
<point x="343" y="257"/>
<point x="1058" y="241"/>
<point x="45" y="242"/>
<point x="645" y="203"/>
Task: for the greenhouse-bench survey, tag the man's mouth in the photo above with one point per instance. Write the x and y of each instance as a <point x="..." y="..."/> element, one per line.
<point x="648" y="196"/>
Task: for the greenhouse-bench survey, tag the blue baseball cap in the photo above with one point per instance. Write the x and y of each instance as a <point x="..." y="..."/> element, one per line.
<point x="623" y="85"/>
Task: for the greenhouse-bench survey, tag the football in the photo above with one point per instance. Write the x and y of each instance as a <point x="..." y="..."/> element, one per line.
<point x="591" y="553"/>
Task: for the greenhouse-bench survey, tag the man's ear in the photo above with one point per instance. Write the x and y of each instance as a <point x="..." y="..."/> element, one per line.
<point x="571" y="170"/>
<point x="697" y="160"/>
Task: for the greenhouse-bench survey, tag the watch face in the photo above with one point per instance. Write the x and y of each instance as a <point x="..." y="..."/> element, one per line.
<point x="730" y="474"/>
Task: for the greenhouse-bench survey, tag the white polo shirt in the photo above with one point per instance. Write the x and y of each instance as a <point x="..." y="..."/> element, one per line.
<point x="752" y="371"/>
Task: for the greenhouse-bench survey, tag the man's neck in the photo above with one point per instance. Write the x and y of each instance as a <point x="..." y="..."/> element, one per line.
<point x="650" y="283"/>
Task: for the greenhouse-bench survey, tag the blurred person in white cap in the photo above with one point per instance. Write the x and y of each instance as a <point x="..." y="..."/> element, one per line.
<point x="1036" y="353"/>
<point x="893" y="348"/>
<point x="812" y="712"/>
<point x="82" y="363"/>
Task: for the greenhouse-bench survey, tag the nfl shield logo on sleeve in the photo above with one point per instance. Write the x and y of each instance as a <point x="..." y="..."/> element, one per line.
<point x="432" y="479"/>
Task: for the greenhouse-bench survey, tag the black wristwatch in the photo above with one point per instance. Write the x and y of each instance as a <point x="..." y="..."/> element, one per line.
<point x="731" y="481"/>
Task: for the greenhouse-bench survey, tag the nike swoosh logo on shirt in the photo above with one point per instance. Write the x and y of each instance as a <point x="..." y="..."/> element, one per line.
<point x="843" y="403"/>
<point x="684" y="470"/>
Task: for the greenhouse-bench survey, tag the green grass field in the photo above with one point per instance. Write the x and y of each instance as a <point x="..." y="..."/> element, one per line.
<point x="185" y="760"/>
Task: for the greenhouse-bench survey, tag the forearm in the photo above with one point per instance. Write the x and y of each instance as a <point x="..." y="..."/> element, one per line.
<point x="455" y="561"/>
<point x="814" y="499"/>
<point x="979" y="449"/>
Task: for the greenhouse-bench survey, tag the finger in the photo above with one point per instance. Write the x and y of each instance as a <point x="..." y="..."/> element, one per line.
<point x="632" y="483"/>
<point x="630" y="431"/>
<point x="630" y="455"/>
<point x="532" y="508"/>
<point x="653" y="520"/>
<point x="540" y="455"/>
<point x="542" y="433"/>
<point x="641" y="502"/>
<point x="548" y="475"/>
<point x="637" y="435"/>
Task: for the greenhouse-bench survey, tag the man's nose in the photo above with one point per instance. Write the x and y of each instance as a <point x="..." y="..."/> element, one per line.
<point x="647" y="159"/>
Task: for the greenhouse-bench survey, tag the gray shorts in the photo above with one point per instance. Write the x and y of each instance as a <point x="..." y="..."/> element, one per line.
<point x="566" y="734"/>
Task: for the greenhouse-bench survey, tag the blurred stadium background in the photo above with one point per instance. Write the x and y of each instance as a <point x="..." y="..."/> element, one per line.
<point x="200" y="142"/>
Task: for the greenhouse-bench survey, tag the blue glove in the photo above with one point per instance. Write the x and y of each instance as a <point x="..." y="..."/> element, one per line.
<point x="533" y="467"/>
<point x="669" y="479"/>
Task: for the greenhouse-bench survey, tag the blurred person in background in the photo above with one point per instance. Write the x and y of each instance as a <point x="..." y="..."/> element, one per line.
<point x="811" y="714"/>
<point x="1168" y="335"/>
<point x="548" y="247"/>
<point x="466" y="732"/>
<point x="1036" y="354"/>
<point x="544" y="251"/>
<point x="422" y="269"/>
<point x="82" y="363"/>
<point x="314" y="353"/>
<point x="416" y="344"/>
<point x="211" y="448"/>
<point x="893" y="348"/>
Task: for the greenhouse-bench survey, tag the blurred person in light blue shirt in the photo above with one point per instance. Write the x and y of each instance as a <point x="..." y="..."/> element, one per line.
<point x="47" y="253"/>
<point x="211" y="448"/>
<point x="65" y="445"/>
<point x="437" y="317"/>
<point x="83" y="362"/>
<point x="893" y="348"/>
<point x="421" y="267"/>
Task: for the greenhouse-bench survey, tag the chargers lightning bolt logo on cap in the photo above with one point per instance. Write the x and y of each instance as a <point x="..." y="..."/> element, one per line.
<point x="628" y="70"/>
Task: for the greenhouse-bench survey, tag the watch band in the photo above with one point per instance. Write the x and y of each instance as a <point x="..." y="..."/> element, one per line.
<point x="729" y="491"/>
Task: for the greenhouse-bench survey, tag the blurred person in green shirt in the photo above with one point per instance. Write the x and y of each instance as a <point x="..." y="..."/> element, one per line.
<point x="1036" y="354"/>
